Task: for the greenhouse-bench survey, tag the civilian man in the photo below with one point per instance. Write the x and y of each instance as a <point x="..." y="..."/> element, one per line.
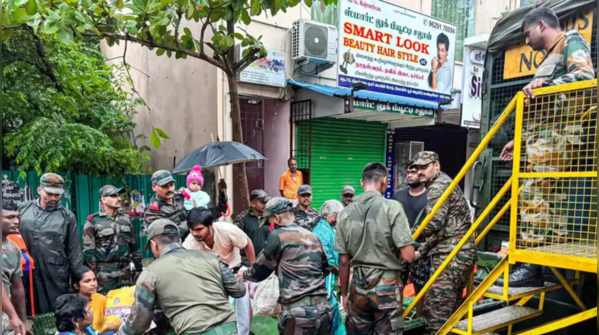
<point x="291" y="180"/>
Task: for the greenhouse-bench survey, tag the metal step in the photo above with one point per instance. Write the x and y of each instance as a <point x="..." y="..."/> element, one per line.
<point x="514" y="294"/>
<point x="499" y="319"/>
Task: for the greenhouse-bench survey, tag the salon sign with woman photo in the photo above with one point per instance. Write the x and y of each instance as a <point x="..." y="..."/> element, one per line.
<point x="395" y="50"/>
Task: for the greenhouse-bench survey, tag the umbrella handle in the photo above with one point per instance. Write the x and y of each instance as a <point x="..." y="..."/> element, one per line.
<point x="228" y="213"/>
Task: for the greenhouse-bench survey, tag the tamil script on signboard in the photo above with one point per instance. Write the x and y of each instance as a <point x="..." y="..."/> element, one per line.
<point x="14" y="192"/>
<point x="523" y="61"/>
<point x="395" y="51"/>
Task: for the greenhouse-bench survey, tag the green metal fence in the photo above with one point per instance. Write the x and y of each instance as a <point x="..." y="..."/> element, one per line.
<point x="82" y="192"/>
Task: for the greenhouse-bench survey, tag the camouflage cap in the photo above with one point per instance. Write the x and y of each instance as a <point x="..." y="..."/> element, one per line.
<point x="276" y="206"/>
<point x="52" y="183"/>
<point x="162" y="178"/>
<point x="305" y="189"/>
<point x="260" y="195"/>
<point x="424" y="158"/>
<point x="109" y="190"/>
<point x="349" y="190"/>
<point x="161" y="227"/>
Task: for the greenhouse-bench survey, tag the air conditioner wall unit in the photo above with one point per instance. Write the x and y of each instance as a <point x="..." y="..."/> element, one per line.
<point x="314" y="42"/>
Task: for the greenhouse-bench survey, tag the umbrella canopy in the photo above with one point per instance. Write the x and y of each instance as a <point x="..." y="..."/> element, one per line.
<point x="218" y="154"/>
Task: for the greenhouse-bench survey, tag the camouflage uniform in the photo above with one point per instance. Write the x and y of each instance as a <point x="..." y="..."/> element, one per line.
<point x="372" y="231"/>
<point x="307" y="220"/>
<point x="161" y="209"/>
<point x="442" y="235"/>
<point x="552" y="144"/>
<point x="109" y="247"/>
<point x="249" y="223"/>
<point x="11" y="270"/>
<point x="190" y="287"/>
<point x="301" y="265"/>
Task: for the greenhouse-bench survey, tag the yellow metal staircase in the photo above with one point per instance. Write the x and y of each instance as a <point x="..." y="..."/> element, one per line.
<point x="572" y="109"/>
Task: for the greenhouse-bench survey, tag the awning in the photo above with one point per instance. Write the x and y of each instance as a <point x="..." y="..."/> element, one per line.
<point x="343" y="92"/>
<point x="396" y="111"/>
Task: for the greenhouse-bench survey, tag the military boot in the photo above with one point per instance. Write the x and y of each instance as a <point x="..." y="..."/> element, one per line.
<point x="527" y="275"/>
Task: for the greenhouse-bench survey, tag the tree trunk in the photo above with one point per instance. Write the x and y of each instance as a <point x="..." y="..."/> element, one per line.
<point x="239" y="173"/>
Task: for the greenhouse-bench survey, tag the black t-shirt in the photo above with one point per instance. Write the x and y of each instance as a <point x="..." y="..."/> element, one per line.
<point x="412" y="205"/>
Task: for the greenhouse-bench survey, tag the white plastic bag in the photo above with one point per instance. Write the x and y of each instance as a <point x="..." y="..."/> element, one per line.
<point x="265" y="299"/>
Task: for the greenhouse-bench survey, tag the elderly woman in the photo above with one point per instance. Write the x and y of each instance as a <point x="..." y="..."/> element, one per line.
<point x="325" y="231"/>
<point x="73" y="315"/>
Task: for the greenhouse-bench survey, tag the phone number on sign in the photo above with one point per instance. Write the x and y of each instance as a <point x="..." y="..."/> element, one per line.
<point x="440" y="26"/>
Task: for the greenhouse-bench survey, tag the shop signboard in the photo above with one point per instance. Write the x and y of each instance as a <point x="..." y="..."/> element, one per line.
<point x="390" y="162"/>
<point x="268" y="71"/>
<point x="474" y="62"/>
<point x="393" y="108"/>
<point x="395" y="50"/>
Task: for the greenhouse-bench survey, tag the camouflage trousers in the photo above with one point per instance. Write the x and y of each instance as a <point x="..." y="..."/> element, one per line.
<point x="544" y="218"/>
<point x="375" y="304"/>
<point x="308" y="316"/>
<point x="446" y="295"/>
<point x="113" y="276"/>
<point x="6" y="328"/>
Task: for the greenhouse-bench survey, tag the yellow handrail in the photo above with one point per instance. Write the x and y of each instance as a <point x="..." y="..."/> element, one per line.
<point x="458" y="179"/>
<point x="460" y="245"/>
<point x="496" y="219"/>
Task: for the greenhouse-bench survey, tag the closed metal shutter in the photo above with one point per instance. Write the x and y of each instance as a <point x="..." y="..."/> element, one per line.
<point x="339" y="151"/>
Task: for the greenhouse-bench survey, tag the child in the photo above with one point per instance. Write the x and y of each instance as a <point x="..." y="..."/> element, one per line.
<point x="194" y="196"/>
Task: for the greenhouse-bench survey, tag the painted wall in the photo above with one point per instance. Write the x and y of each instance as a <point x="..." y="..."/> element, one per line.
<point x="276" y="144"/>
<point x="181" y="98"/>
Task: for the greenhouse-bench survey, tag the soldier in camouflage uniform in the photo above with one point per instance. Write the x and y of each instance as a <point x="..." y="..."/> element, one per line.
<point x="110" y="244"/>
<point x="372" y="235"/>
<point x="442" y="235"/>
<point x="301" y="265"/>
<point x="191" y="288"/>
<point x="306" y="216"/>
<point x="166" y="203"/>
<point x="12" y="272"/>
<point x="554" y="135"/>
<point x="249" y="222"/>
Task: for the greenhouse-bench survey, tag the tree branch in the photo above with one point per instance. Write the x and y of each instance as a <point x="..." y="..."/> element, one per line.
<point x="247" y="60"/>
<point x="47" y="67"/>
<point x="152" y="44"/>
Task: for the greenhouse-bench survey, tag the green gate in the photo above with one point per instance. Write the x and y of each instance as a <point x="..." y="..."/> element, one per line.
<point x="82" y="192"/>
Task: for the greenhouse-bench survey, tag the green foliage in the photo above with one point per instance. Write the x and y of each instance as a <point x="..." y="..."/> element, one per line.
<point x="153" y="23"/>
<point x="63" y="108"/>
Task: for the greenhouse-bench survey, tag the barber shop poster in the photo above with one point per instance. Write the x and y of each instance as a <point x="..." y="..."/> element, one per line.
<point x="395" y="50"/>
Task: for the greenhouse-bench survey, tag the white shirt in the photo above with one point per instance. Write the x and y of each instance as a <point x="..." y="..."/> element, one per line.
<point x="228" y="240"/>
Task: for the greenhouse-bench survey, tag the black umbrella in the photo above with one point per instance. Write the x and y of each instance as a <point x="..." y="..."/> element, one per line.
<point x="218" y="154"/>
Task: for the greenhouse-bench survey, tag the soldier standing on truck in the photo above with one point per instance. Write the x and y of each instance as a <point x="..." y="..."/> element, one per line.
<point x="568" y="60"/>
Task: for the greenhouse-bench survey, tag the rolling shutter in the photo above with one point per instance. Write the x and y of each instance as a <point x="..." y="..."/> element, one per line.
<point x="340" y="149"/>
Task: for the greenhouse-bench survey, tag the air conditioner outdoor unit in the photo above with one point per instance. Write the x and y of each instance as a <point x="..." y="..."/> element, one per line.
<point x="314" y="42"/>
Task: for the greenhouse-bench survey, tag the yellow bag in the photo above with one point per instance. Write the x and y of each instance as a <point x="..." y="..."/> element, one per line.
<point x="118" y="307"/>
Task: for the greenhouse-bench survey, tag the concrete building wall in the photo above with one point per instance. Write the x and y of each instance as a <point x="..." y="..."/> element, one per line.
<point x="181" y="96"/>
<point x="276" y="144"/>
<point x="489" y="12"/>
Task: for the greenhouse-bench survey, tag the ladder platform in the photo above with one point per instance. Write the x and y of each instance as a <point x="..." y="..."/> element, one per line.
<point x="496" y="320"/>
<point x="515" y="294"/>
